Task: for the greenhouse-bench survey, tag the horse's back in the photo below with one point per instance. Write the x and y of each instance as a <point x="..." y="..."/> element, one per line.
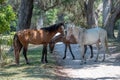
<point x="92" y="36"/>
<point x="31" y="36"/>
<point x="95" y="31"/>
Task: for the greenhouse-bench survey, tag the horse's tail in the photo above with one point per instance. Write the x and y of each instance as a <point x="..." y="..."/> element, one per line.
<point x="16" y="41"/>
<point x="17" y="47"/>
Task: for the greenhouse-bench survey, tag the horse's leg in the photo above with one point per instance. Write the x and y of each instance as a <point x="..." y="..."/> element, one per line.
<point x="65" y="51"/>
<point x="17" y="48"/>
<point x="91" y="48"/>
<point x="105" y="46"/>
<point x="17" y="54"/>
<point x="25" y="54"/>
<point x="98" y="48"/>
<point x="43" y="51"/>
<point x="46" y="61"/>
<point x="104" y="49"/>
<point x="85" y="47"/>
<point x="44" y="54"/>
<point x="71" y="52"/>
<point x="51" y="47"/>
<point x="82" y="55"/>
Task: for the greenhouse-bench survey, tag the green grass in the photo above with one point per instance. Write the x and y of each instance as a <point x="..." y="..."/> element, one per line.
<point x="35" y="71"/>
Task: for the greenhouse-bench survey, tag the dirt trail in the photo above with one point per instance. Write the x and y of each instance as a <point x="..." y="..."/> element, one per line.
<point x="72" y="70"/>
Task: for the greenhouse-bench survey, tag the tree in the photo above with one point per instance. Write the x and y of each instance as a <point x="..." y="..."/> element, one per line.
<point x="7" y="15"/>
<point x="89" y="10"/>
<point x="118" y="37"/>
<point x="15" y="4"/>
<point x="26" y="9"/>
<point x="25" y="15"/>
<point x="111" y="9"/>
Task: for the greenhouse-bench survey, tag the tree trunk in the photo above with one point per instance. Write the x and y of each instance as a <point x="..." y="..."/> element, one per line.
<point x="106" y="11"/>
<point x="108" y="20"/>
<point x="25" y="14"/>
<point x="112" y="16"/>
<point x="118" y="37"/>
<point x="90" y="12"/>
<point x="40" y="22"/>
<point x="110" y="27"/>
<point x="60" y="18"/>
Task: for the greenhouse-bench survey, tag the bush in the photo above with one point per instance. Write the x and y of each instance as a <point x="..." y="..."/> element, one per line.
<point x="5" y="42"/>
<point x="7" y="15"/>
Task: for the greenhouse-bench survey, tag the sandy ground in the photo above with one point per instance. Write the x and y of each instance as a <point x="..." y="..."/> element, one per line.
<point x="72" y="69"/>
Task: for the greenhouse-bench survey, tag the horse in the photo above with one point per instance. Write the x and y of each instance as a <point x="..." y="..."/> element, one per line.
<point x="60" y="38"/>
<point x="31" y="36"/>
<point x="88" y="37"/>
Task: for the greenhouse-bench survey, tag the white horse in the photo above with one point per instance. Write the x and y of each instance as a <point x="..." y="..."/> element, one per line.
<point x="89" y="37"/>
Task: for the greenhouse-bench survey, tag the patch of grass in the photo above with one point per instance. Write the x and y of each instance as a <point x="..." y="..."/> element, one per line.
<point x="35" y="71"/>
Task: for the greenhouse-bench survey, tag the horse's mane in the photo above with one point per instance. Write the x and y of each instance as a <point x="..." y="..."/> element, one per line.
<point x="52" y="27"/>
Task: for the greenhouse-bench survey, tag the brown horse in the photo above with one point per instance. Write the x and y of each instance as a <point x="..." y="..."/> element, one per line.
<point x="60" y="38"/>
<point x="30" y="36"/>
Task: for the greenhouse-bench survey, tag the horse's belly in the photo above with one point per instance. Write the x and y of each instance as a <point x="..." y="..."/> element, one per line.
<point x="91" y="40"/>
<point x="39" y="41"/>
<point x="36" y="43"/>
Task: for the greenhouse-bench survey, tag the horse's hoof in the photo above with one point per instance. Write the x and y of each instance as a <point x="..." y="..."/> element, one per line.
<point x="46" y="61"/>
<point x="51" y="52"/>
<point x="85" y="62"/>
<point x="91" y="56"/>
<point x="42" y="61"/>
<point x="96" y="61"/>
<point x="73" y="58"/>
<point x="63" y="58"/>
<point x="27" y="63"/>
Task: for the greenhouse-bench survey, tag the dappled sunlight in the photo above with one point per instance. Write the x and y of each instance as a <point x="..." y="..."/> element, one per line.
<point x="34" y="71"/>
<point x="72" y="69"/>
<point x="93" y="72"/>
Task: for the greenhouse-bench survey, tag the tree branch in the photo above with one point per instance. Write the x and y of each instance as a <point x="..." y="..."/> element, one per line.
<point x="46" y="8"/>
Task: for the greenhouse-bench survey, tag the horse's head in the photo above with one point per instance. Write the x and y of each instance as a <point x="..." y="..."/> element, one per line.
<point x="69" y="30"/>
<point x="61" y="28"/>
<point x="74" y="31"/>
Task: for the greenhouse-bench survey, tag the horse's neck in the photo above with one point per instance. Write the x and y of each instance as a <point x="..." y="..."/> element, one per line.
<point x="73" y="39"/>
<point x="53" y="34"/>
<point x="81" y="36"/>
<point x="58" y="38"/>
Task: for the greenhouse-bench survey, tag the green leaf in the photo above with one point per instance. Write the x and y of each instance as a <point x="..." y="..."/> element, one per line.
<point x="6" y="16"/>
